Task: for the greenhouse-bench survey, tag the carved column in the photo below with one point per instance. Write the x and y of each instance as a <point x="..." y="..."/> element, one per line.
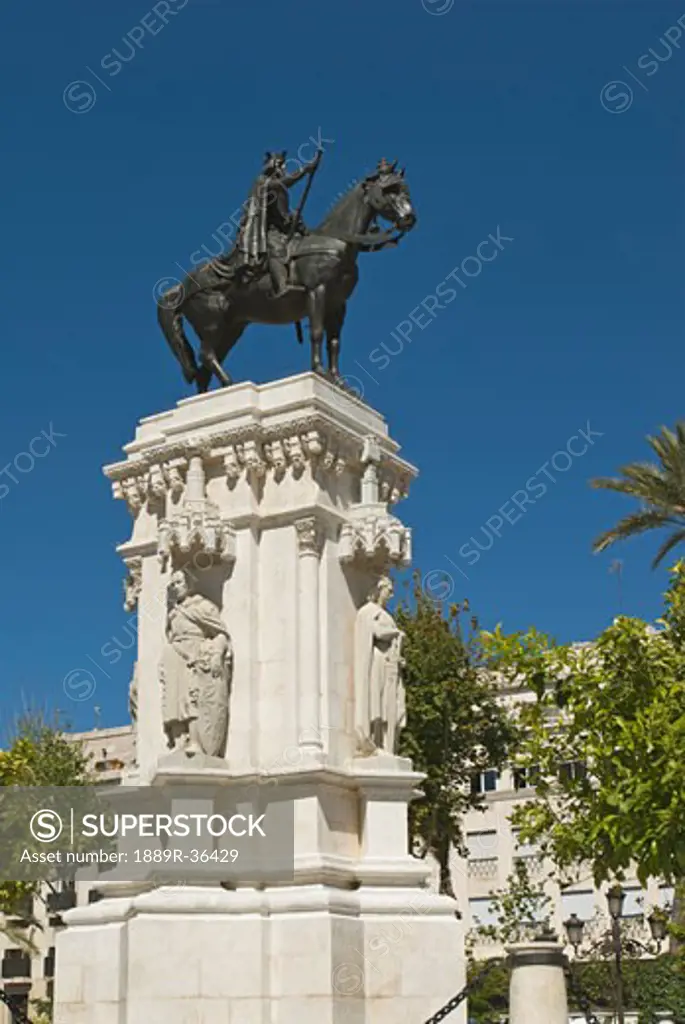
<point x="310" y="545"/>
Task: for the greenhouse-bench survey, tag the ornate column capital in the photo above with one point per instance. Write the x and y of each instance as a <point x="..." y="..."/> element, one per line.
<point x="310" y="536"/>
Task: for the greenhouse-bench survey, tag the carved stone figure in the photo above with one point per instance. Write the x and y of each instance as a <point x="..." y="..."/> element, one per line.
<point x="380" y="708"/>
<point x="195" y="673"/>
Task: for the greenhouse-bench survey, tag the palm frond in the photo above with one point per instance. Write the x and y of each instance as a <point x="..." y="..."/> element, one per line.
<point x="660" y="489"/>
<point x="633" y="524"/>
<point x="677" y="537"/>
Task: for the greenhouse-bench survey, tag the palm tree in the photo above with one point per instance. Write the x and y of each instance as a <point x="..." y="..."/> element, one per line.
<point x="660" y="488"/>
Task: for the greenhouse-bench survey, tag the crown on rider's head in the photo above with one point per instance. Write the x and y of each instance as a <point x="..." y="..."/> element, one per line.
<point x="385" y="167"/>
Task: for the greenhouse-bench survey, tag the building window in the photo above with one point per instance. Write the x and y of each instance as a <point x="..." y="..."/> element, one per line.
<point x="483" y="912"/>
<point x="481" y="845"/>
<point x="524" y="851"/>
<point x="16" y="964"/>
<point x="111" y="764"/>
<point x="634" y="902"/>
<point x="484" y="782"/>
<point x="666" y="895"/>
<point x="572" y="771"/>
<point x="581" y="903"/>
<point x="49" y="963"/>
<point x="524" y="778"/>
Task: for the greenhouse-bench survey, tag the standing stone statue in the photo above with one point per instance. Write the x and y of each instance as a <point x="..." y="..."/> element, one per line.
<point x="380" y="708"/>
<point x="195" y="673"/>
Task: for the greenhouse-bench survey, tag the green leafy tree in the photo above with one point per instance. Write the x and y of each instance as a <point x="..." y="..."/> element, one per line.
<point x="39" y="755"/>
<point x="455" y="726"/>
<point x="606" y="736"/>
<point x="660" y="489"/>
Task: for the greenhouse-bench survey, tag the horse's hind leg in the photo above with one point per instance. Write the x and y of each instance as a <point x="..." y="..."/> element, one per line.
<point x="216" y="344"/>
<point x="203" y="379"/>
<point x="210" y="345"/>
<point x="316" y="308"/>
<point x="335" y="318"/>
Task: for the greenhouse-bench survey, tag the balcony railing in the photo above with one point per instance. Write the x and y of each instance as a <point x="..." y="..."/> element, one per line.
<point x="533" y="863"/>
<point x="484" y="867"/>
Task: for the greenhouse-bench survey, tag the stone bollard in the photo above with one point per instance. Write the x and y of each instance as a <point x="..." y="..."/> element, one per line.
<point x="537" y="990"/>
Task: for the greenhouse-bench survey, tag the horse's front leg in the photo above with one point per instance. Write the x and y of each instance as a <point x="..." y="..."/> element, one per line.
<point x="316" y="308"/>
<point x="335" y="318"/>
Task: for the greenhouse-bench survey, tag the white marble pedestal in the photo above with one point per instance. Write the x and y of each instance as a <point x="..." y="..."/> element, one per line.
<point x="277" y="499"/>
<point x="537" y="989"/>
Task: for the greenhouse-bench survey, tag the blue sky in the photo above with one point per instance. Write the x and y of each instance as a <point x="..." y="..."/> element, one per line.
<point x="545" y="123"/>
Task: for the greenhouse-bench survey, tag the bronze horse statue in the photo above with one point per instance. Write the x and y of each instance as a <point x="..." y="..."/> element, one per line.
<point x="219" y="299"/>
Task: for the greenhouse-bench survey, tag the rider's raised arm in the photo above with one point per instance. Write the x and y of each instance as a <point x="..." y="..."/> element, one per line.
<point x="292" y="179"/>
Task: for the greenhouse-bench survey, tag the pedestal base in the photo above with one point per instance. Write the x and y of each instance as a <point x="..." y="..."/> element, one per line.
<point x="300" y="955"/>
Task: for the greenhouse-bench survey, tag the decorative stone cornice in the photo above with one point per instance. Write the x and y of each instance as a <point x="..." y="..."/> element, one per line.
<point x="148" y="483"/>
<point x="255" y="450"/>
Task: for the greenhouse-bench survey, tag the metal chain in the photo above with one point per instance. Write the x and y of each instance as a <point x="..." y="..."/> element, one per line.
<point x="18" y="1017"/>
<point x="456" y="1001"/>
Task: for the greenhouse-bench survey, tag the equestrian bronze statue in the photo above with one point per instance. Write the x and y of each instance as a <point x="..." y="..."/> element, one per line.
<point x="282" y="272"/>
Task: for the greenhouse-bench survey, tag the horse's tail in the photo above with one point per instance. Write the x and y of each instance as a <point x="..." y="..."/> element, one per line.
<point x="170" y="320"/>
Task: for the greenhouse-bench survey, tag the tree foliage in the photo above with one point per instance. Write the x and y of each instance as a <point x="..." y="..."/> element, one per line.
<point x="616" y="710"/>
<point x="39" y="755"/>
<point x="455" y="726"/>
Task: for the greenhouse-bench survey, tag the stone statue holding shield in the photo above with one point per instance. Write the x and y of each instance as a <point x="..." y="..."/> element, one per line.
<point x="380" y="706"/>
<point x="195" y="673"/>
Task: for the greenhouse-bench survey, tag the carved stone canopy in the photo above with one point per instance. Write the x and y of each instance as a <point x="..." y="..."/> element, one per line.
<point x="197" y="526"/>
<point x="371" y="533"/>
<point x="375" y="536"/>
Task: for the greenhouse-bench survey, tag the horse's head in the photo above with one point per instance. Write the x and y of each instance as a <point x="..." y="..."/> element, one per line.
<point x="387" y="194"/>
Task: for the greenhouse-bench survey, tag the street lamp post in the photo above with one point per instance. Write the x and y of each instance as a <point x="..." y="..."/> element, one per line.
<point x="615" y="900"/>
<point x="574" y="927"/>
